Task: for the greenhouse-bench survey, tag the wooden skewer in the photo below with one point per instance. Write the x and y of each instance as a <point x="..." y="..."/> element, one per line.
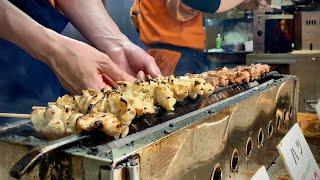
<point x="38" y="107"/>
<point x="19" y="115"/>
<point x="14" y="115"/>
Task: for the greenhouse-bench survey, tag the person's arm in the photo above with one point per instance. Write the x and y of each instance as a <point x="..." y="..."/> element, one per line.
<point x="23" y="31"/>
<point x="226" y="5"/>
<point x="77" y="65"/>
<point x="93" y="21"/>
<point x="212" y="6"/>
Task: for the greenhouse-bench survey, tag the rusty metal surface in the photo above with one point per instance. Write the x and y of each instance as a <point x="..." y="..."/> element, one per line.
<point x="186" y="147"/>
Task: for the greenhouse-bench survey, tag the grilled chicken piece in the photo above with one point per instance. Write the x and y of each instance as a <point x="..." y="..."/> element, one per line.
<point x="37" y="118"/>
<point x="66" y="113"/>
<point x="208" y="89"/>
<point x="164" y="97"/>
<point x="71" y="123"/>
<point x="254" y="73"/>
<point x="121" y="108"/>
<point x="52" y="112"/>
<point x="55" y="129"/>
<point x="195" y="86"/>
<point x="138" y="86"/>
<point x="53" y="122"/>
<point x="214" y="81"/>
<point x="89" y="97"/>
<point x="223" y="79"/>
<point x="100" y="106"/>
<point x="263" y="68"/>
<point x="113" y="127"/>
<point x="105" y="122"/>
<point x="266" y="68"/>
<point x="243" y="75"/>
<point x="179" y="89"/>
<point x="149" y="93"/>
<point x="88" y="122"/>
<point x="67" y="101"/>
<point x="229" y="73"/>
<point x="138" y="95"/>
<point x="140" y="101"/>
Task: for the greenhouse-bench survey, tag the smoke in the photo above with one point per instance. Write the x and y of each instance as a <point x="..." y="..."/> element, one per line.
<point x="238" y="33"/>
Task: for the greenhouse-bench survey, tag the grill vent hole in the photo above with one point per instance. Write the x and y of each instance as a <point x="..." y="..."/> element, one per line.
<point x="217" y="173"/>
<point x="290" y="113"/>
<point x="284" y="117"/>
<point x="278" y="122"/>
<point x="234" y="161"/>
<point x="249" y="147"/>
<point x="260" y="138"/>
<point x="270" y="129"/>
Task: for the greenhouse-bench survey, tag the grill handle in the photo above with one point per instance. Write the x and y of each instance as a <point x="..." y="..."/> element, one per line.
<point x="31" y="159"/>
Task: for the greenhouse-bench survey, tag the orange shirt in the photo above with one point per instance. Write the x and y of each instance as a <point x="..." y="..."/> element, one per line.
<point x="156" y="25"/>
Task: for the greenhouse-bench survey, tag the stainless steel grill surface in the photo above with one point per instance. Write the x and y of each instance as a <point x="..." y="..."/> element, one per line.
<point x="228" y="135"/>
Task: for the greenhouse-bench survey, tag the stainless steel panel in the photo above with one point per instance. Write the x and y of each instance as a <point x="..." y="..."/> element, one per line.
<point x="307" y="30"/>
<point x="304" y="66"/>
<point x="193" y="153"/>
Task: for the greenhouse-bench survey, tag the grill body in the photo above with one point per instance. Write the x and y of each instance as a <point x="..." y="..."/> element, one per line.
<point x="230" y="138"/>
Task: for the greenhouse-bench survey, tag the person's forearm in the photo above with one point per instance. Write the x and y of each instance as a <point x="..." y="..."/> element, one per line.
<point x="23" y="31"/>
<point x="226" y="5"/>
<point x="93" y="21"/>
<point x="212" y="6"/>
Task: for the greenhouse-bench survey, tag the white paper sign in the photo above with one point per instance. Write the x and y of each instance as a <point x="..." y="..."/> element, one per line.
<point x="297" y="156"/>
<point x="261" y="174"/>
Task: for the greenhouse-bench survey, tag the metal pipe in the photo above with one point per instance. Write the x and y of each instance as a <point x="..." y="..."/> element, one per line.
<point x="134" y="170"/>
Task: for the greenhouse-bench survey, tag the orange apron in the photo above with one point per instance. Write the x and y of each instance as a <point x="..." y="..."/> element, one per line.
<point x="156" y="25"/>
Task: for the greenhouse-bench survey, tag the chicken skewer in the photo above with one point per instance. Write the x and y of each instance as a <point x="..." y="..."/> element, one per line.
<point x="70" y="115"/>
<point x="64" y="118"/>
<point x="54" y="122"/>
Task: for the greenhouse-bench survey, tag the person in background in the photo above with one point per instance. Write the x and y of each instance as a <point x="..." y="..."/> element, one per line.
<point x="173" y="31"/>
<point x="111" y="58"/>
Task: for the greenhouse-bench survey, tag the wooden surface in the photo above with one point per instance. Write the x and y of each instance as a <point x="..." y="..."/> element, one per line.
<point x="310" y="124"/>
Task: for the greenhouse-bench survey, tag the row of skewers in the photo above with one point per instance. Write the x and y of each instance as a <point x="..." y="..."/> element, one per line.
<point x="112" y="110"/>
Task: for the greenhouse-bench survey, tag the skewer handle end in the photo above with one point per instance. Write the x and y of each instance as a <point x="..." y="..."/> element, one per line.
<point x="15" y="115"/>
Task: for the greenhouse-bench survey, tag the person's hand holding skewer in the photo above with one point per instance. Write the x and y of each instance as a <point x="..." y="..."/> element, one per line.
<point x="79" y="66"/>
<point x="104" y="35"/>
<point x="131" y="58"/>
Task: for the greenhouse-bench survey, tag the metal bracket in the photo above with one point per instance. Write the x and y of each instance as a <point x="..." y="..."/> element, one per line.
<point x="129" y="169"/>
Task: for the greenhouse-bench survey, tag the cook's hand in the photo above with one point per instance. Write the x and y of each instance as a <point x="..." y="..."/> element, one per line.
<point x="80" y="66"/>
<point x="132" y="59"/>
<point x="104" y="35"/>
